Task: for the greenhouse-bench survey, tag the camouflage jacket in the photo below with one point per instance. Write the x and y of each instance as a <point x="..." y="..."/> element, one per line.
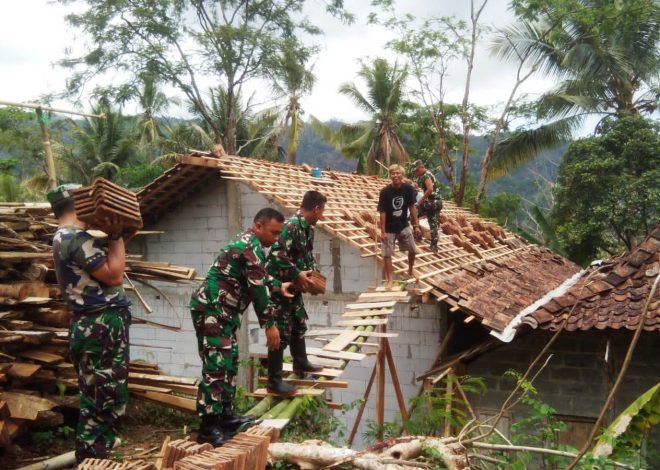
<point x="76" y="254"/>
<point x="436" y="187"/>
<point x="236" y="278"/>
<point x="292" y="252"/>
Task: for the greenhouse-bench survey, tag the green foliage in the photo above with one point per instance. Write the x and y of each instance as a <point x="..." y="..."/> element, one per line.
<point x="61" y="433"/>
<point x="377" y="139"/>
<point x="625" y="436"/>
<point x="314" y="420"/>
<point x="431" y="410"/>
<point x="135" y="177"/>
<point x="182" y="41"/>
<point x="101" y="146"/>
<point x="608" y="189"/>
<point x="502" y="207"/>
<point x="604" y="52"/>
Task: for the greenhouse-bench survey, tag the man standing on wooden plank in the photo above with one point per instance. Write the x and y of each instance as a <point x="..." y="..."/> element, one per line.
<point x="291" y="259"/>
<point x="91" y="278"/>
<point x="394" y="202"/>
<point x="430" y="203"/>
<point x="236" y="279"/>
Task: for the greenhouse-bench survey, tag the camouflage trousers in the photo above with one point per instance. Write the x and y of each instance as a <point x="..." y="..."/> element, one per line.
<point x="218" y="349"/>
<point x="431" y="210"/>
<point x="100" y="353"/>
<point x="291" y="318"/>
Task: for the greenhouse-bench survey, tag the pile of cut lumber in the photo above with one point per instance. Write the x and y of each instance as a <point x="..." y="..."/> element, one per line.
<point x="34" y="319"/>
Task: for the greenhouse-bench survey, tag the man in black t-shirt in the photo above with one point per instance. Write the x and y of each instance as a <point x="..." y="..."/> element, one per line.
<point x="394" y="202"/>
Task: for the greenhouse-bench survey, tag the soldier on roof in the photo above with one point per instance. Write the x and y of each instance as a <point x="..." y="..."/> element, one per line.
<point x="236" y="279"/>
<point x="430" y="203"/>
<point x="91" y="277"/>
<point x="291" y="259"/>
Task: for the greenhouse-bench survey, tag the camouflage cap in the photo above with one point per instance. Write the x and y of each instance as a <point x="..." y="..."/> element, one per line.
<point x="61" y="193"/>
<point x="417" y="163"/>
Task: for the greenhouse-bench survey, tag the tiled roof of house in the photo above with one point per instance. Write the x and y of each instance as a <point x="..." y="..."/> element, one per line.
<point x="611" y="295"/>
<point x="480" y="269"/>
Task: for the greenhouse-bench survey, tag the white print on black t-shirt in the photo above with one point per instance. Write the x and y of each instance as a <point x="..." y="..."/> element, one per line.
<point x="397" y="204"/>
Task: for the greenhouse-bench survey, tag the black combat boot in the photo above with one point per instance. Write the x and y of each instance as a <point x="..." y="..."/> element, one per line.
<point x="231" y="422"/>
<point x="275" y="383"/>
<point x="211" y="432"/>
<point x="301" y="364"/>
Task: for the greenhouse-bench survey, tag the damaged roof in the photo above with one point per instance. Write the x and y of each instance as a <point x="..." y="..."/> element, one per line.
<point x="480" y="269"/>
<point x="610" y="296"/>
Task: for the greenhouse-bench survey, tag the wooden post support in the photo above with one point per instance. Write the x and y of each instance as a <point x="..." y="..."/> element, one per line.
<point x="380" y="385"/>
<point x="395" y="382"/>
<point x="448" y="405"/>
<point x="358" y="418"/>
<point x="335" y="247"/>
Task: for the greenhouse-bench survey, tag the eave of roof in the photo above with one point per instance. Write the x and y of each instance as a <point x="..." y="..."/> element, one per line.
<point x="609" y="296"/>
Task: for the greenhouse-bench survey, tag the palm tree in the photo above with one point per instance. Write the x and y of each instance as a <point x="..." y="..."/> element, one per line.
<point x="608" y="66"/>
<point x="292" y="79"/>
<point x="101" y="146"/>
<point x="377" y="139"/>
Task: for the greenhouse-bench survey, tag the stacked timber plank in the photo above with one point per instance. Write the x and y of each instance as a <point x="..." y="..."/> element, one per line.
<point x="102" y="200"/>
<point x="34" y="320"/>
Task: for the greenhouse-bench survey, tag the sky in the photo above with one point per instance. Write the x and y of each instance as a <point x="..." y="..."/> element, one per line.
<point x="28" y="53"/>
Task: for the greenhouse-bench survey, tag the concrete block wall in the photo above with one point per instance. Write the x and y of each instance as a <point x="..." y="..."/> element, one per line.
<point x="420" y="328"/>
<point x="575" y="380"/>
<point x="193" y="233"/>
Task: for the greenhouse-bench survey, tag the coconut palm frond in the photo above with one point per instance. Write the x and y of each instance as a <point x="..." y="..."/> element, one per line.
<point x="351" y="91"/>
<point x="519" y="147"/>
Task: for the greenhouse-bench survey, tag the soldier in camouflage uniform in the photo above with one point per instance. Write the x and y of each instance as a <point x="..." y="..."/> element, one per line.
<point x="91" y="277"/>
<point x="236" y="279"/>
<point x="291" y="259"/>
<point x="430" y="203"/>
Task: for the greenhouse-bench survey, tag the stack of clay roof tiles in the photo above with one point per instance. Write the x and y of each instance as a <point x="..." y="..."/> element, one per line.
<point x="610" y="296"/>
<point x="480" y="269"/>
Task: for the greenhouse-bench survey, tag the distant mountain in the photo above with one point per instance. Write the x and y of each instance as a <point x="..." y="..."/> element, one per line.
<point x="316" y="153"/>
<point x="527" y="181"/>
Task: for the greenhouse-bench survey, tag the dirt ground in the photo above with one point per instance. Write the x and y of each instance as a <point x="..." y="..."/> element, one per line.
<point x="143" y="430"/>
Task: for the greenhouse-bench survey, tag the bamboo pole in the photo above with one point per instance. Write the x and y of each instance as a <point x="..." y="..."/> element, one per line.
<point x="50" y="110"/>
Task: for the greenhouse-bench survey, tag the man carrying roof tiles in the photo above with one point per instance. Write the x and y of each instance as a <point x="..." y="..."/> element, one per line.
<point x="91" y="278"/>
<point x="236" y="279"/>
<point x="430" y="203"/>
<point x="394" y="203"/>
<point x="291" y="259"/>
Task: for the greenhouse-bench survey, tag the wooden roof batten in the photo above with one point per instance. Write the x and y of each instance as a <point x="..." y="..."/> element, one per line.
<point x="471" y="249"/>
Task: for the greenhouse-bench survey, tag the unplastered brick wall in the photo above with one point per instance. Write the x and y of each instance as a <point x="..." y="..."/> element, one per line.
<point x="575" y="380"/>
<point x="420" y="328"/>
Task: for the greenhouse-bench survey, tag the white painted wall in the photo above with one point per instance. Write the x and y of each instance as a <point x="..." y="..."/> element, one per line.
<point x="197" y="229"/>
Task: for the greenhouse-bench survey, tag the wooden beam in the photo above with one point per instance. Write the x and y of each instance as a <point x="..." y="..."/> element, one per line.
<point x="262" y="392"/>
<point x="368" y="313"/>
<point x="370" y="334"/>
<point x="311" y="383"/>
<point x="345" y="355"/>
<point x="325" y="372"/>
<point x="365" y="322"/>
<point x="363" y="306"/>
